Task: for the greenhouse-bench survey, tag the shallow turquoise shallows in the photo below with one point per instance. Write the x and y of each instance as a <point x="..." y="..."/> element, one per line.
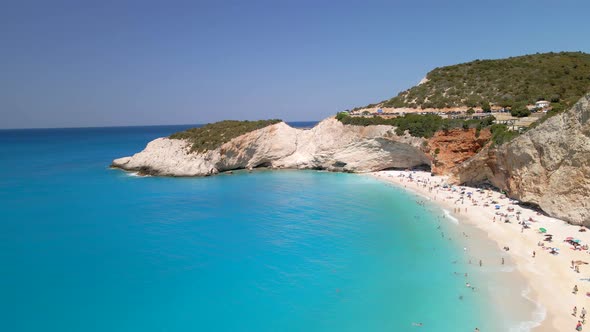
<point x="87" y="248"/>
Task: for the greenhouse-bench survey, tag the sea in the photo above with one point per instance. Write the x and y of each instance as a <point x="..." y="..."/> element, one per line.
<point x="84" y="247"/>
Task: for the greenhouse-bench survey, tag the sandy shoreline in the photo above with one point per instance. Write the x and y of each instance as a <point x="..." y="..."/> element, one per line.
<point x="550" y="277"/>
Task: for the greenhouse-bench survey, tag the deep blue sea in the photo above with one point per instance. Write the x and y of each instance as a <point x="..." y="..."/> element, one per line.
<point x="88" y="248"/>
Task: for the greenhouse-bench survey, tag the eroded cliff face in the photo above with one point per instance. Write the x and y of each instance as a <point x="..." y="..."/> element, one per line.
<point x="548" y="166"/>
<point x="451" y="148"/>
<point x="330" y="145"/>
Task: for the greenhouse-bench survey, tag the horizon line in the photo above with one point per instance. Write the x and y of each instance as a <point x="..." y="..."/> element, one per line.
<point x="131" y="126"/>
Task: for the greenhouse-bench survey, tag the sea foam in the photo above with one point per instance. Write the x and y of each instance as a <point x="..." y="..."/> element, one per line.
<point x="450" y="217"/>
<point x="538" y="315"/>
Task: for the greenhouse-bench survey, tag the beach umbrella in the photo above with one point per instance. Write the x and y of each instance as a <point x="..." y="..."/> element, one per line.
<point x="569" y="238"/>
<point x="577" y="241"/>
<point x="497" y="206"/>
<point x="542" y="230"/>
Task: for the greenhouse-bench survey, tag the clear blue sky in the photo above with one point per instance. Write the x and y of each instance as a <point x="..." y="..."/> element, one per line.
<point x="110" y="63"/>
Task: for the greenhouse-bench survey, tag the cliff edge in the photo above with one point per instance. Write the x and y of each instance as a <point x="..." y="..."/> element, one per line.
<point x="548" y="166"/>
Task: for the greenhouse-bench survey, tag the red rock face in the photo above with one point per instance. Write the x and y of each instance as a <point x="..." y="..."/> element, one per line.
<point x="449" y="149"/>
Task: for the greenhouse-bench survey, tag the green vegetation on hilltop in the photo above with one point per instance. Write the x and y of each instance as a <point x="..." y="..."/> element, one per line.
<point x="501" y="134"/>
<point x="557" y="77"/>
<point x="427" y="125"/>
<point x="213" y="135"/>
<point x="417" y="125"/>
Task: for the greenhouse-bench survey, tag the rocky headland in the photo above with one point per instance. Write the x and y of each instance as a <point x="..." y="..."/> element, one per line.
<point x="330" y="145"/>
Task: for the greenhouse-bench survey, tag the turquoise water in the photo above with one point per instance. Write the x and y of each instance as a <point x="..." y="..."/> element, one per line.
<point x="87" y="248"/>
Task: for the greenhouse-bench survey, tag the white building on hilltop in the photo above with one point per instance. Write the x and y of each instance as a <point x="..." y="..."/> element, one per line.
<point x="542" y="104"/>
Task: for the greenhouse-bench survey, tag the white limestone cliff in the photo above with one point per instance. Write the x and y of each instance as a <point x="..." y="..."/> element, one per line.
<point x="329" y="145"/>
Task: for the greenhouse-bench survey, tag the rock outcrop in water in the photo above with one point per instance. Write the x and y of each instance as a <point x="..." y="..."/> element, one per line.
<point x="330" y="145"/>
<point x="548" y="166"/>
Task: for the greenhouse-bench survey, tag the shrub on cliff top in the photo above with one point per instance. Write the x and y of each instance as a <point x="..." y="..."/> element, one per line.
<point x="416" y="124"/>
<point x="556" y="108"/>
<point x="213" y="135"/>
<point x="519" y="110"/>
<point x="501" y="134"/>
<point x="341" y="115"/>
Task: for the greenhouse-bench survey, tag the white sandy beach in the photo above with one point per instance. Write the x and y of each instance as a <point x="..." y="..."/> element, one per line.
<point x="550" y="276"/>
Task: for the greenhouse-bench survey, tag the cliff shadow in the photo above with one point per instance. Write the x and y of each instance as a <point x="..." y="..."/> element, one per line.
<point x="420" y="168"/>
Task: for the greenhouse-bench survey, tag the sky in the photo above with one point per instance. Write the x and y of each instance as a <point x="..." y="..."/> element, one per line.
<point x="119" y="63"/>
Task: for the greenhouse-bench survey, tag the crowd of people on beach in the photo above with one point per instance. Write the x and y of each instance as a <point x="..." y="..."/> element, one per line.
<point x="505" y="210"/>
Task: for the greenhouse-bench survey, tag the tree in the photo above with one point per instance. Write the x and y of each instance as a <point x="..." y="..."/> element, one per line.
<point x="485" y="106"/>
<point x="470" y="111"/>
<point x="446" y="127"/>
<point x="341" y="115"/>
<point x="520" y="111"/>
<point x="488" y="121"/>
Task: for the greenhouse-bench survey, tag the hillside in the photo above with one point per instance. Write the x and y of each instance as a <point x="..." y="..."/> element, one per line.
<point x="558" y="77"/>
